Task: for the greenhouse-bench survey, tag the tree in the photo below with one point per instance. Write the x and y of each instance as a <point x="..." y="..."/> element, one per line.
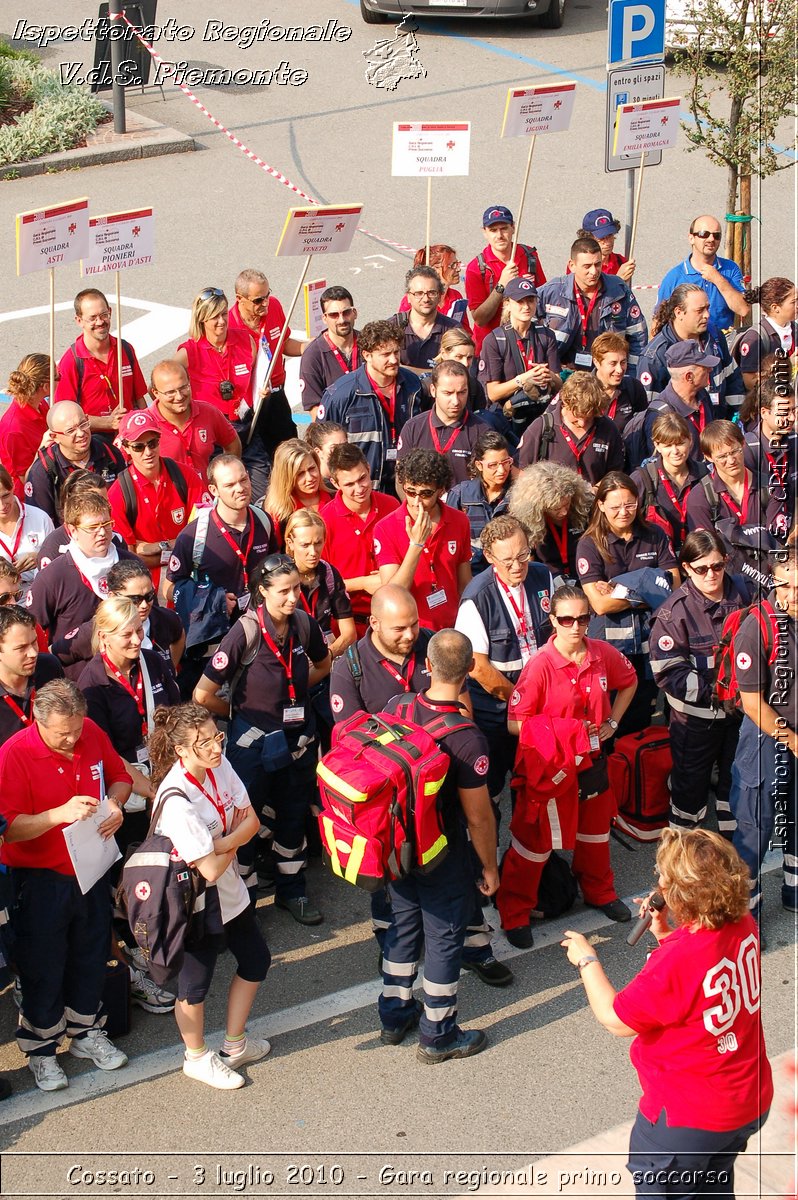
<point x="740" y="59"/>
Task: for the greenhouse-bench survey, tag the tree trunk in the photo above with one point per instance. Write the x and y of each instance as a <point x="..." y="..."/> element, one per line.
<point x="745" y="205"/>
<point x="735" y="113"/>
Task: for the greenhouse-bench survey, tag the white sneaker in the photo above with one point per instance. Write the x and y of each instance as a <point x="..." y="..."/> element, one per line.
<point x="47" y="1072"/>
<point x="16" y="995"/>
<point x="254" y="1049"/>
<point x="211" y="1070"/>
<point x="146" y="993"/>
<point x="98" y="1047"/>
<point x="134" y="956"/>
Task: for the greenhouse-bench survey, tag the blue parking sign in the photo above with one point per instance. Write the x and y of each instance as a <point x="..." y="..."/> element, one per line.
<point x="636" y="31"/>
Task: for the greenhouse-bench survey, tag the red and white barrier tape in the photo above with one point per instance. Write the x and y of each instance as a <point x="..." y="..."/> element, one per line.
<point x="250" y="154"/>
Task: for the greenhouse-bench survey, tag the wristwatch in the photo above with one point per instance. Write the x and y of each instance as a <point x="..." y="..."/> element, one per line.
<point x="499" y="287"/>
<point x="588" y="958"/>
<point x="612" y="724"/>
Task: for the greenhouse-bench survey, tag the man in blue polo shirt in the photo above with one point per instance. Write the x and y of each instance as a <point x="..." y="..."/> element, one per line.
<point x="720" y="278"/>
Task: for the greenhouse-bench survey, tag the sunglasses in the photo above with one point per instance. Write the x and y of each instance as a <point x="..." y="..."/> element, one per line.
<point x="144" y="598"/>
<point x="337" y="316"/>
<point x="704" y="234"/>
<point x="567" y="622"/>
<point x="211" y="294"/>
<point x="423" y="494"/>
<point x="140" y="447"/>
<point x="9" y="598"/>
<point x="278" y="562"/>
<point x="715" y="567"/>
<point x="260" y="299"/>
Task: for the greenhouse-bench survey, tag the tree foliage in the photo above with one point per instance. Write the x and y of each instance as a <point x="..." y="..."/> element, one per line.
<point x="740" y="59"/>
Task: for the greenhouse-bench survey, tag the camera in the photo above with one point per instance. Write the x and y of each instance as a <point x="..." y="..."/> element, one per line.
<point x="226" y="389"/>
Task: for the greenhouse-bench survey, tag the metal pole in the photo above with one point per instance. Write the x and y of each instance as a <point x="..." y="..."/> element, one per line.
<point x="115" y="23"/>
<point x="629" y="211"/>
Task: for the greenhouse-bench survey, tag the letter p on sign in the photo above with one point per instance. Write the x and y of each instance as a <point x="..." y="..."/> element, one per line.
<point x="636" y="31"/>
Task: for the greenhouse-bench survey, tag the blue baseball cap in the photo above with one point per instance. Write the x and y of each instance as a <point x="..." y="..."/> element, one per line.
<point x="522" y="288"/>
<point x="600" y="223"/>
<point x="689" y="354"/>
<point x="497" y="215"/>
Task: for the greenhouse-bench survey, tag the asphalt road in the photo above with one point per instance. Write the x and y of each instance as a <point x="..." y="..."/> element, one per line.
<point x="550" y="1078"/>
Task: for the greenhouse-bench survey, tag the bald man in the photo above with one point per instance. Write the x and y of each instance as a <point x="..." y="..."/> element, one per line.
<point x="73" y="446"/>
<point x="720" y="278"/>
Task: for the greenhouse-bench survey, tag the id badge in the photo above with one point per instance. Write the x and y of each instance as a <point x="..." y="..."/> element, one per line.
<point x="329" y="637"/>
<point x="243" y="410"/>
<point x="583" y="358"/>
<point x="243" y="602"/>
<point x="165" y="557"/>
<point x="142" y="757"/>
<point x="715" y="398"/>
<point x="436" y="598"/>
<point x="595" y="743"/>
<point x="390" y="454"/>
<point x="293" y="714"/>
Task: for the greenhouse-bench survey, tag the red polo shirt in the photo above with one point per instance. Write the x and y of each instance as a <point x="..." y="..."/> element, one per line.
<point x="271" y="324"/>
<point x="98" y="391"/>
<point x="350" y="542"/>
<point x="207" y="368"/>
<point x="34" y="779"/>
<point x="193" y="445"/>
<point x="479" y="285"/>
<point x="552" y="685"/>
<point x="435" y="579"/>
<point x="21" y="431"/>
<point x="162" y="513"/>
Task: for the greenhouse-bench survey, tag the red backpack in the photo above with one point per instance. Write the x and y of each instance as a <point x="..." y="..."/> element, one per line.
<point x="380" y="788"/>
<point x="726" y="690"/>
<point x="639" y="769"/>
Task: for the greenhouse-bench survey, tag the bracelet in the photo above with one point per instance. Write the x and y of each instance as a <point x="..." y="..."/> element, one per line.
<point x="588" y="958"/>
<point x="419" y="544"/>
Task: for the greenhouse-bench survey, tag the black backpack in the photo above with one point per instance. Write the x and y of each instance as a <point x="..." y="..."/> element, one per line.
<point x="546" y="437"/>
<point x="129" y="492"/>
<point x="557" y="890"/>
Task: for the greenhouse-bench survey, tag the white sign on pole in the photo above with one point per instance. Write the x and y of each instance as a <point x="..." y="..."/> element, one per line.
<point x="51" y="237"/>
<point x="314" y="322"/>
<point x="327" y="229"/>
<point x="652" y="125"/>
<point x="435" y="148"/>
<point x="631" y="85"/>
<point x="120" y="240"/>
<point x="543" y="109"/>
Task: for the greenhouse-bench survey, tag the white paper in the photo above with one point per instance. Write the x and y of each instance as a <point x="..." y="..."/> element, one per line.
<point x="314" y="321"/>
<point x="326" y="229"/>
<point x="118" y="241"/>
<point x="651" y="125"/>
<point x="91" y="854"/>
<point x="619" y="592"/>
<point x="430" y="148"/>
<point x="51" y="237"/>
<point x="542" y="109"/>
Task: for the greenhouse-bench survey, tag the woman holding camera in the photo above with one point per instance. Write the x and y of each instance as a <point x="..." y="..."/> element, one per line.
<point x="694" y="1012"/>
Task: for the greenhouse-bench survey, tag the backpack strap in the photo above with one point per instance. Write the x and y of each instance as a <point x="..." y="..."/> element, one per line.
<point x="712" y="497"/>
<point x="47" y="459"/>
<point x="547" y="435"/>
<point x="447" y="723"/>
<point x="352" y="656"/>
<point x="177" y="477"/>
<point x="80" y="367"/>
<point x="130" y="498"/>
<point x="156" y="812"/>
<point x="200" y="538"/>
<point x="768" y="623"/>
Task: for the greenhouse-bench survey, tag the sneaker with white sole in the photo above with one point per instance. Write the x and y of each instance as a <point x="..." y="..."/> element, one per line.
<point x="211" y="1070"/>
<point x="146" y="993"/>
<point x="133" y="956"/>
<point x="99" y="1048"/>
<point x="254" y="1049"/>
<point x="47" y="1072"/>
<point x="16" y="995"/>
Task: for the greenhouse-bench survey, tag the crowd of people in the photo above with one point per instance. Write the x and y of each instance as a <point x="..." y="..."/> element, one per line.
<point x="520" y="505"/>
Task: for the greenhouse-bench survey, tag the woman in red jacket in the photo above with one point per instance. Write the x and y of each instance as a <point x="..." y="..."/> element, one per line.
<point x="24" y="423"/>
<point x="699" y="1050"/>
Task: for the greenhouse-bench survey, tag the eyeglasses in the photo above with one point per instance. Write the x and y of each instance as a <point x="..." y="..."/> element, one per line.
<point x="431" y="292"/>
<point x="140" y="447"/>
<point x="715" y="567"/>
<point x="705" y="234"/>
<point x="729" y="455"/>
<point x="622" y="508"/>
<point x="73" y="430"/>
<point x="583" y="620"/>
<point x="211" y="294"/>
<point x="501" y="465"/>
<point x="174" y="392"/>
<point x="521" y="558"/>
<point x="336" y="316"/>
<point x="421" y="494"/>
<point x="144" y="598"/>
<point x="9" y="598"/>
<point x="210" y="743"/>
<point x="93" y="530"/>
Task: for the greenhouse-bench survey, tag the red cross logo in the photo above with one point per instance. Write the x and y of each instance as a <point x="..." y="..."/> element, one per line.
<point x="136" y="230"/>
<point x="450" y="145"/>
<point x="72" y="227"/>
<point x="558" y="103"/>
<point x="339" y="226"/>
<point x="663" y="120"/>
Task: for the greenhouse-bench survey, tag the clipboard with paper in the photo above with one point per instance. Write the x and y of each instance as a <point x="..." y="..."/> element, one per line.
<point x="91" y="854"/>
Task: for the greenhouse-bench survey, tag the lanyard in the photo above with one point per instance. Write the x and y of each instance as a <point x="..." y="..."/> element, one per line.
<point x="310" y="608"/>
<point x="388" y="404"/>
<point x="137" y="693"/>
<point x="12" y="553"/>
<point x="613" y="408"/>
<point x="339" y="358"/>
<point x="519" y="612"/>
<point x="527" y="356"/>
<point x="580" y="304"/>
<point x="778" y="470"/>
<point x="458" y="429"/>
<point x="398" y="677"/>
<point x="20" y="712"/>
<point x="681" y="507"/>
<point x="241" y="555"/>
<point x="286" y="664"/>
<point x="577" y="451"/>
<point x="214" y="799"/>
<point x="740" y="511"/>
<point x="560" y="540"/>
<point x="699" y="418"/>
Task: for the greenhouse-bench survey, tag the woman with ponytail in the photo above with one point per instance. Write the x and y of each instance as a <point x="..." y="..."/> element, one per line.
<point x="203" y="808"/>
<point x="777" y="328"/>
<point x="24" y="423"/>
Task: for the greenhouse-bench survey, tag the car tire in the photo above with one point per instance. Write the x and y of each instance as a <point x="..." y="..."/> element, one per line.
<point x="370" y="17"/>
<point x="553" y="16"/>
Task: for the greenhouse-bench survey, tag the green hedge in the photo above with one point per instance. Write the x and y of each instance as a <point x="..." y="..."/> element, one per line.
<point x="60" y="118"/>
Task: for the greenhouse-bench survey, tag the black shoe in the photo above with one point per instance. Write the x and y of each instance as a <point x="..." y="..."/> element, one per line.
<point x="392" y="1037"/>
<point x="616" y="910"/>
<point x="490" y="971"/>
<point x="466" y="1043"/>
<point x="300" y="909"/>
<point x="5" y="1089"/>
<point x="520" y="937"/>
